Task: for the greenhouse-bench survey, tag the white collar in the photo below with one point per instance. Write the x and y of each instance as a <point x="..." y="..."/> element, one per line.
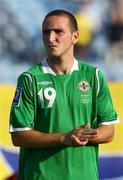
<point x="47" y="69"/>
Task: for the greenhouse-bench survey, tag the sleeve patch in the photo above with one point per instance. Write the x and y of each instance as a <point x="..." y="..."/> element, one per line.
<point x="17" y="97"/>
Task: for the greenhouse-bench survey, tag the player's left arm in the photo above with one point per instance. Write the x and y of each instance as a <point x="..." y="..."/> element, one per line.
<point x="106" y="115"/>
<point x="105" y="134"/>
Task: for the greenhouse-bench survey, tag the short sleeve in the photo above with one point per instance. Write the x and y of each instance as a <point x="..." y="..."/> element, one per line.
<point x="22" y="110"/>
<point x="105" y="111"/>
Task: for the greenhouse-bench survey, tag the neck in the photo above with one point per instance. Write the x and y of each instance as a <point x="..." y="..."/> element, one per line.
<point x="61" y="66"/>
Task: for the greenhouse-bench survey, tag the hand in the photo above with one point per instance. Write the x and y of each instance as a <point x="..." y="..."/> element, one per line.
<point x="82" y="134"/>
<point x="79" y="136"/>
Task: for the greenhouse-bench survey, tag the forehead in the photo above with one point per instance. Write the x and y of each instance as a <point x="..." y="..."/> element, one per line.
<point x="56" y="22"/>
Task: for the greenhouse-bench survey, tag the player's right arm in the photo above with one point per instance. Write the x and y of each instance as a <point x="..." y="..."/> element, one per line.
<point x="36" y="139"/>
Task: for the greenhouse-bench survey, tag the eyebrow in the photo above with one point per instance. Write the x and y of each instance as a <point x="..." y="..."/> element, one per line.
<point x="52" y="29"/>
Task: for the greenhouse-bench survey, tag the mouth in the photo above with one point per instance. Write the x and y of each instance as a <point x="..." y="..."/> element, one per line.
<point x="52" y="46"/>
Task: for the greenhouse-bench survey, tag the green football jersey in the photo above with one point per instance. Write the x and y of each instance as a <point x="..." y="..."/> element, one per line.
<point x="51" y="103"/>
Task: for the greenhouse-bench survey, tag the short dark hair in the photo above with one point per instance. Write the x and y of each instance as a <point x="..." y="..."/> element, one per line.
<point x="60" y="12"/>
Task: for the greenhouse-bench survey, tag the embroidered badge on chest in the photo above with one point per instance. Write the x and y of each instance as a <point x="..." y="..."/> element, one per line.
<point x="83" y="86"/>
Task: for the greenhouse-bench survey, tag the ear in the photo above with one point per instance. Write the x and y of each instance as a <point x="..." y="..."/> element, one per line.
<point x="75" y="37"/>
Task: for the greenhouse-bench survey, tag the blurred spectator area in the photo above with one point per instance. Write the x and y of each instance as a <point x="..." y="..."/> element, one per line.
<point x="21" y="43"/>
<point x="114" y="54"/>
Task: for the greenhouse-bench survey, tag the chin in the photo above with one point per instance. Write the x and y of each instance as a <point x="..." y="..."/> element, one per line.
<point x="51" y="55"/>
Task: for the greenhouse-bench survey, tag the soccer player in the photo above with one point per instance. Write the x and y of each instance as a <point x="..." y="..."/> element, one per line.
<point x="62" y="109"/>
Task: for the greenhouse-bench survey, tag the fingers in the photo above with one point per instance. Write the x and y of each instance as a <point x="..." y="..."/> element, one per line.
<point x="85" y="133"/>
<point x="78" y="142"/>
<point x="82" y="134"/>
<point x="79" y="136"/>
<point x="85" y="126"/>
<point x="87" y="137"/>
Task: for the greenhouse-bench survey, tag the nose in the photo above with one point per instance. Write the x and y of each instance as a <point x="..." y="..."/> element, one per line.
<point x="51" y="36"/>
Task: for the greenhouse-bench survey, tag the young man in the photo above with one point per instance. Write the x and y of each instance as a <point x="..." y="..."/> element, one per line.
<point x="62" y="109"/>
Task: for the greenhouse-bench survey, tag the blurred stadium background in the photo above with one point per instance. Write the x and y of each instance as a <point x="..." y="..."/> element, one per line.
<point x="101" y="44"/>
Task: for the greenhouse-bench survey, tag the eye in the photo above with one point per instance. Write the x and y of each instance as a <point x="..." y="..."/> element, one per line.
<point x="46" y="31"/>
<point x="59" y="31"/>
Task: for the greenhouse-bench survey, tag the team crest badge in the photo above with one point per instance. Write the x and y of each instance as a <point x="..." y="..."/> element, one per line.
<point x="17" y="96"/>
<point x="83" y="86"/>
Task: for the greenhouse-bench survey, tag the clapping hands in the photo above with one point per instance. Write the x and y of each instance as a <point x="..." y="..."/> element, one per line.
<point x="79" y="136"/>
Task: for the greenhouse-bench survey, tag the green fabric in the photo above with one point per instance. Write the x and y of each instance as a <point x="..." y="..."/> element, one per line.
<point x="59" y="103"/>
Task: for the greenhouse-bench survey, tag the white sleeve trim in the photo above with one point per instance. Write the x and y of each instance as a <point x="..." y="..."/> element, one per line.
<point x="19" y="129"/>
<point x="110" y="122"/>
<point x="98" y="83"/>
